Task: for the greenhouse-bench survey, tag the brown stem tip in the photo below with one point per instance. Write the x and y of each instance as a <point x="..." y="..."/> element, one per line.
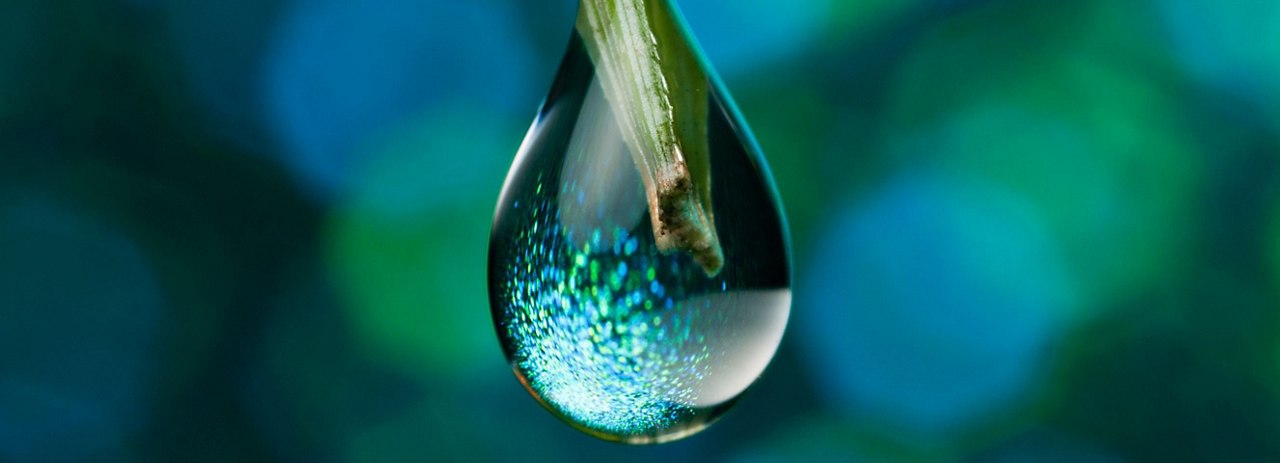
<point x="658" y="92"/>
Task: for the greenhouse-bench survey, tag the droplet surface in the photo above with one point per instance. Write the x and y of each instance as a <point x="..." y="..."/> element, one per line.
<point x="617" y="338"/>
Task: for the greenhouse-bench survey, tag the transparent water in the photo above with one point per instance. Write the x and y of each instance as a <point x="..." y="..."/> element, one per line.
<point x="616" y="338"/>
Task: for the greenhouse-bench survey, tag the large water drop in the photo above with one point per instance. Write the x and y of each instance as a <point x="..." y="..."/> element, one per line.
<point x="618" y="338"/>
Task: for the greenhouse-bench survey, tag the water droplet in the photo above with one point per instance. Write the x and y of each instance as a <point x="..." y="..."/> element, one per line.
<point x="640" y="345"/>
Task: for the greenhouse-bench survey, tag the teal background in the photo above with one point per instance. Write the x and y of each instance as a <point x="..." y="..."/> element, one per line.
<point x="1024" y="230"/>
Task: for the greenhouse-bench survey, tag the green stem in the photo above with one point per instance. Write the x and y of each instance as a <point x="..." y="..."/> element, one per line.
<point x="658" y="92"/>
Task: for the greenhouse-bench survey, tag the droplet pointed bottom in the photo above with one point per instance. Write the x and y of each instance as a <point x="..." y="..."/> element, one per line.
<point x="619" y="339"/>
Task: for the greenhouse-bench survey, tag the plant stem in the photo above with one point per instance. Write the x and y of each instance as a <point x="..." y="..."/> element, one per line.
<point x="658" y="92"/>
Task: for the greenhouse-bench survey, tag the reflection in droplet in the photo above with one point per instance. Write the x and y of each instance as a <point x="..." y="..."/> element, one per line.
<point x="619" y="339"/>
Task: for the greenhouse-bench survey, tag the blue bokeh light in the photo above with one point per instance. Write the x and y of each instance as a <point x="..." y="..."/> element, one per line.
<point x="907" y="308"/>
<point x="341" y="73"/>
<point x="743" y="36"/>
<point x="1232" y="45"/>
<point x="81" y="308"/>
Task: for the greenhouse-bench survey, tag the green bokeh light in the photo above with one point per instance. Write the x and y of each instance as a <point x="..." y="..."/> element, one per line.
<point x="855" y="20"/>
<point x="405" y="246"/>
<point x="1273" y="251"/>
<point x="1231" y="46"/>
<point x="1093" y="143"/>
<point x="793" y="145"/>
<point x="1145" y="136"/>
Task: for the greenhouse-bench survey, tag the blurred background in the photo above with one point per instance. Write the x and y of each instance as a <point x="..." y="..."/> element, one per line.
<point x="1024" y="230"/>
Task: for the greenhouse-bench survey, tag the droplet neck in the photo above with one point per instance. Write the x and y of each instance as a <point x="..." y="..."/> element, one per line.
<point x="655" y="84"/>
